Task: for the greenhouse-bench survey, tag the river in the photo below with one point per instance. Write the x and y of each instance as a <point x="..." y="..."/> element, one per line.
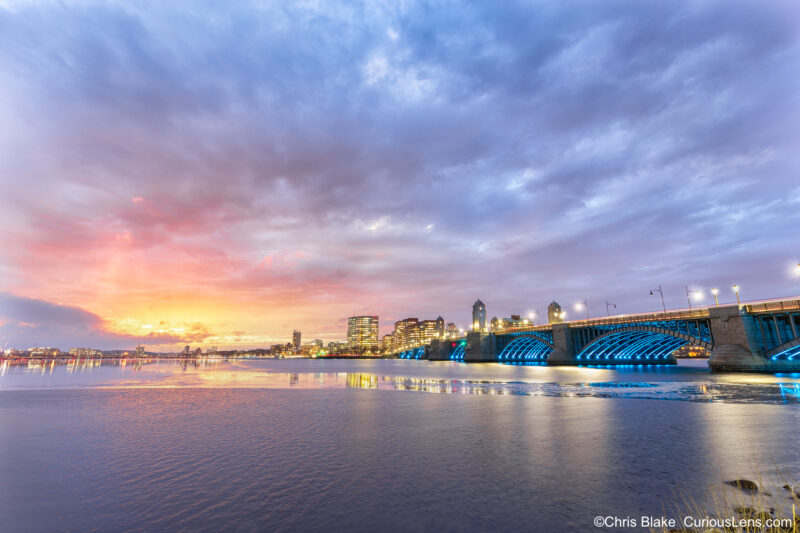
<point x="389" y="445"/>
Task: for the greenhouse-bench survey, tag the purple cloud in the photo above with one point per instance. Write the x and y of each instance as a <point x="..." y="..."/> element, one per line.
<point x="419" y="155"/>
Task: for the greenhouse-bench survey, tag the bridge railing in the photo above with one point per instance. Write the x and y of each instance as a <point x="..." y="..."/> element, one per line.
<point x="680" y="314"/>
<point x="771" y="306"/>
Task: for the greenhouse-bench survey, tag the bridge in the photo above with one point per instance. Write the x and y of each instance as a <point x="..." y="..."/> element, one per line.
<point x="749" y="337"/>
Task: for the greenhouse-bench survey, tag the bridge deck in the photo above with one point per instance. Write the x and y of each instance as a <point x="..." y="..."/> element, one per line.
<point x="752" y="307"/>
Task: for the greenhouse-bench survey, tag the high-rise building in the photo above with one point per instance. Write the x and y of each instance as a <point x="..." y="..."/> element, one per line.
<point x="296" y="339"/>
<point x="428" y="331"/>
<point x="406" y="333"/>
<point x="440" y="327"/>
<point x="362" y="333"/>
<point x="478" y="316"/>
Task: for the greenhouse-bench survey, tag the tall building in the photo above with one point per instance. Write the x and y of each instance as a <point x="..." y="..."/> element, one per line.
<point x="478" y="316"/>
<point x="296" y="339"/>
<point x="428" y="331"/>
<point x="554" y="313"/>
<point x="406" y="333"/>
<point x="440" y="327"/>
<point x="362" y="333"/>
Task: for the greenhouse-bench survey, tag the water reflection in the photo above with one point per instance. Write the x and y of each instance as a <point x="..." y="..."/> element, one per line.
<point x="224" y="373"/>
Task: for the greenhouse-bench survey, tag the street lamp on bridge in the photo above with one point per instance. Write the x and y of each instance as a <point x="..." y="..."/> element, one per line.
<point x="661" y="292"/>
<point x="609" y="305"/>
<point x="697" y="294"/>
<point x="715" y="292"/>
<point x="583" y="305"/>
<point x="736" y="290"/>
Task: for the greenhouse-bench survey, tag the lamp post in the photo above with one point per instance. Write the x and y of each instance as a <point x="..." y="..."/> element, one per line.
<point x="583" y="305"/>
<point x="689" y="294"/>
<point x="715" y="292"/>
<point x="608" y="305"/>
<point x="661" y="292"/>
<point x="736" y="290"/>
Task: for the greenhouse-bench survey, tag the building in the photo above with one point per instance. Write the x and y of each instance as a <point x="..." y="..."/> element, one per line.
<point x="478" y="316"/>
<point x="312" y="350"/>
<point x="85" y="352"/>
<point x="296" y="340"/>
<point x="387" y="344"/>
<point x="277" y="349"/>
<point x="428" y="330"/>
<point x="514" y="321"/>
<point x="337" y="348"/>
<point x="362" y="333"/>
<point x="554" y="313"/>
<point x="440" y="327"/>
<point x="406" y="334"/>
<point x="451" y="331"/>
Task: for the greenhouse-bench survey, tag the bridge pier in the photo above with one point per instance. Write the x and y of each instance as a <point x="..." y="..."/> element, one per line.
<point x="439" y="350"/>
<point x="481" y="347"/>
<point x="563" y="348"/>
<point x="736" y="344"/>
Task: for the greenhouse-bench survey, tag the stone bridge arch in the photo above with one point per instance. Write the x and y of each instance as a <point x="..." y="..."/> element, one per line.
<point x="637" y="345"/>
<point x="525" y="347"/>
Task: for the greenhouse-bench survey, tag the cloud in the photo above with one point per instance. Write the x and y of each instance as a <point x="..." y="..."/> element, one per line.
<point x="27" y="322"/>
<point x="419" y="155"/>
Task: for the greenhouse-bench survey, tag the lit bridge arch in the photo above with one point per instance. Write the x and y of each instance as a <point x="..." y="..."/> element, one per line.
<point x="457" y="350"/>
<point x="414" y="353"/>
<point x="528" y="347"/>
<point x="778" y="334"/>
<point x="637" y="345"/>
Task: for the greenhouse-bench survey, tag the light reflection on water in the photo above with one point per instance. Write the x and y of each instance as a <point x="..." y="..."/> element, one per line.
<point x="213" y="445"/>
<point x="224" y="373"/>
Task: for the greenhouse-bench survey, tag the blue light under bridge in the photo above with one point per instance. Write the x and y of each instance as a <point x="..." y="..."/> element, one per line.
<point x="526" y="348"/>
<point x="631" y="346"/>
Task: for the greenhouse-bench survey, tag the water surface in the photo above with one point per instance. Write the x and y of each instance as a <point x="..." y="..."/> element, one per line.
<point x="364" y="445"/>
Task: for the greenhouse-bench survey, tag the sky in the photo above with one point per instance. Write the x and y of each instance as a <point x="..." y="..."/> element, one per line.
<point x="221" y="173"/>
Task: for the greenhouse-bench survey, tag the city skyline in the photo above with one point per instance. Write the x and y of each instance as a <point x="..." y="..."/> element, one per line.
<point x="227" y="175"/>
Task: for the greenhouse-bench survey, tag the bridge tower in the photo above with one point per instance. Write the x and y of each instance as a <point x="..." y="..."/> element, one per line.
<point x="478" y="316"/>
